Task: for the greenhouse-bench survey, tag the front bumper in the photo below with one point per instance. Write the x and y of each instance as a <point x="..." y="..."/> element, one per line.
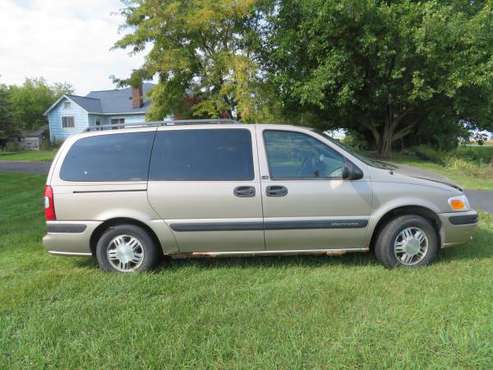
<point x="457" y="227"/>
<point x="70" y="238"/>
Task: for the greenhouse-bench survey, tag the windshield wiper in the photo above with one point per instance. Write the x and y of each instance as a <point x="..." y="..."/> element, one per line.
<point x="385" y="165"/>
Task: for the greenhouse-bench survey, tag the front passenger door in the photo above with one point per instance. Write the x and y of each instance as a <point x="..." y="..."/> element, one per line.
<point x="307" y="204"/>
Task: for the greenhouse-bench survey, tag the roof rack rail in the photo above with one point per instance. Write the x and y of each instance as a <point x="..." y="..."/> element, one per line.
<point x="115" y="126"/>
<point x="205" y="121"/>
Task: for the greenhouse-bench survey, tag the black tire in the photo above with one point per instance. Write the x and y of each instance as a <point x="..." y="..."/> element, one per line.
<point x="151" y="255"/>
<point x="388" y="236"/>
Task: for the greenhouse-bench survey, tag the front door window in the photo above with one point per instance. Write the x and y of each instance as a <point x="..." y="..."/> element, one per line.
<point x="294" y="155"/>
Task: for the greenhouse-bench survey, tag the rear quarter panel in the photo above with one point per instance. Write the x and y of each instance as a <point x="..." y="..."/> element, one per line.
<point x="103" y="201"/>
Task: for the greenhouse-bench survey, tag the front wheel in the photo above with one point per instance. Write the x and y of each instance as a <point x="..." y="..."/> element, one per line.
<point x="409" y="241"/>
<point x="126" y="248"/>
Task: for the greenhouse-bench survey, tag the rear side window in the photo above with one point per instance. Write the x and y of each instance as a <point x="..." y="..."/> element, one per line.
<point x="202" y="155"/>
<point x="118" y="157"/>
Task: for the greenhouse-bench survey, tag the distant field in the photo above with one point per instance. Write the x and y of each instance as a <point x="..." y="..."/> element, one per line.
<point x="271" y="313"/>
<point x="32" y="155"/>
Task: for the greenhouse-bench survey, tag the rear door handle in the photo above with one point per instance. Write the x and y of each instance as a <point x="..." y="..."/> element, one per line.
<point x="244" y="191"/>
<point x="276" y="191"/>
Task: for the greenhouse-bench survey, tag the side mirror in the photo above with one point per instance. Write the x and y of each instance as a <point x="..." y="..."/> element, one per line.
<point x="351" y="172"/>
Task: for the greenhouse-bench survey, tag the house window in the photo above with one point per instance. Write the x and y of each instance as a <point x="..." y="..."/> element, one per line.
<point x="117" y="123"/>
<point x="68" y="122"/>
<point x="66" y="105"/>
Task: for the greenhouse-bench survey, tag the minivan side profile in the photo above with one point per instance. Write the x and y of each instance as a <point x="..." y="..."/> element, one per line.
<point x="130" y="196"/>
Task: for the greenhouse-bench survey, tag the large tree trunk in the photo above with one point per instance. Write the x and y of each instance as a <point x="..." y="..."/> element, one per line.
<point x="383" y="137"/>
<point x="385" y="143"/>
<point x="386" y="138"/>
<point x="388" y="135"/>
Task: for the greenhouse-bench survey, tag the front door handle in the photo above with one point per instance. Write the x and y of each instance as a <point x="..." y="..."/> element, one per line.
<point x="244" y="191"/>
<point x="276" y="191"/>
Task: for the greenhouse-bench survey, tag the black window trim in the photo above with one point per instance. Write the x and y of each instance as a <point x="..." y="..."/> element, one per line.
<point x="254" y="153"/>
<point x="346" y="160"/>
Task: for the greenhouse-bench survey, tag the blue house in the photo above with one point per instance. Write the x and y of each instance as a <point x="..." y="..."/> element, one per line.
<point x="72" y="114"/>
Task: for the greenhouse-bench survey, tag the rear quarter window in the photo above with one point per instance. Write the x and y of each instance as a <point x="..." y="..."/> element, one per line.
<point x="202" y="155"/>
<point x="116" y="157"/>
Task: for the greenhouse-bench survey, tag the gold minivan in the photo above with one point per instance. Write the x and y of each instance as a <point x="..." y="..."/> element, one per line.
<point x="215" y="188"/>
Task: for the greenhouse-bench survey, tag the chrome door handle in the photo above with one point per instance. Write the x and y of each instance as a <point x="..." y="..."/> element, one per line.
<point x="276" y="191"/>
<point x="244" y="191"/>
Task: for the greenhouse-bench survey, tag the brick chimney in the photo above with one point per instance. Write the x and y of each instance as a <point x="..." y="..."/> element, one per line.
<point x="137" y="97"/>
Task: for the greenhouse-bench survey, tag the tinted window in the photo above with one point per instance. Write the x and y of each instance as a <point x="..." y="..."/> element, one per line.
<point x="294" y="155"/>
<point x="195" y="155"/>
<point x="119" y="157"/>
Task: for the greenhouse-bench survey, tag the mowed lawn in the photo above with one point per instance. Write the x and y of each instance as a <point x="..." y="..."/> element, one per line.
<point x="32" y="155"/>
<point x="286" y="312"/>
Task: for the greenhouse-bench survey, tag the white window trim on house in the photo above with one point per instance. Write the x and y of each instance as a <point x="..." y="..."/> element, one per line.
<point x="67" y="104"/>
<point x="120" y="121"/>
<point x="65" y="124"/>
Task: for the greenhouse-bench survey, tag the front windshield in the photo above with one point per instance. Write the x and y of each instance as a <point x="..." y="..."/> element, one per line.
<point x="368" y="161"/>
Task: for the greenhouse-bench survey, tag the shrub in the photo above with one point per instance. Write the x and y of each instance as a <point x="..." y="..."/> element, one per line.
<point x="12" y="146"/>
<point x="469" y="168"/>
<point x="355" y="141"/>
<point x="427" y="153"/>
<point x="479" y="154"/>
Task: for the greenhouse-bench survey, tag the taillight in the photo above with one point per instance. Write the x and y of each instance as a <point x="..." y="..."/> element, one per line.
<point x="49" y="204"/>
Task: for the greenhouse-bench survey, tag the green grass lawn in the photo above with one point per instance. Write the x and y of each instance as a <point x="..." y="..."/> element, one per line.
<point x="286" y="312"/>
<point x="31" y="155"/>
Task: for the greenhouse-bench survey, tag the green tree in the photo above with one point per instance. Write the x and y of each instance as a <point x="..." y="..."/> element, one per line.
<point x="29" y="101"/>
<point x="202" y="50"/>
<point x="383" y="69"/>
<point x="6" y="126"/>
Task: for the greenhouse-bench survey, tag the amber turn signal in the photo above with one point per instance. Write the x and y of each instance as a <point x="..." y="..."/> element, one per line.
<point x="459" y="203"/>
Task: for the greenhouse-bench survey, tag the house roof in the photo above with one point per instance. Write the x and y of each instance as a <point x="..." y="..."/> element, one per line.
<point x="120" y="100"/>
<point x="89" y="104"/>
<point x="116" y="101"/>
<point x="36" y="133"/>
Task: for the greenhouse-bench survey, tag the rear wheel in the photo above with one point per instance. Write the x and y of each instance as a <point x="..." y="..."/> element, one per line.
<point x="126" y="248"/>
<point x="409" y="241"/>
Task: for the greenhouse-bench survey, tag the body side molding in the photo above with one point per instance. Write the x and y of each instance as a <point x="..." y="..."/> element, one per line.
<point x="270" y="225"/>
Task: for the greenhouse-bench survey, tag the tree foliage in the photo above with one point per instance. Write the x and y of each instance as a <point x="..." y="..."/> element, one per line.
<point x="202" y="49"/>
<point x="392" y="72"/>
<point x="6" y="126"/>
<point x="383" y="69"/>
<point x="30" y="100"/>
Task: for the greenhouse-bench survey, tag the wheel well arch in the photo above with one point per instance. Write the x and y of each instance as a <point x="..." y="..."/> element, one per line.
<point x="99" y="231"/>
<point x="406" y="210"/>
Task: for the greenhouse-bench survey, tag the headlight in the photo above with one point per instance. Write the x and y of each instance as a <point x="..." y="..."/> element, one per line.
<point x="459" y="203"/>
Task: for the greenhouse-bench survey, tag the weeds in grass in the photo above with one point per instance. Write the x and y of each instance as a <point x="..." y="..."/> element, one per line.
<point x="469" y="168"/>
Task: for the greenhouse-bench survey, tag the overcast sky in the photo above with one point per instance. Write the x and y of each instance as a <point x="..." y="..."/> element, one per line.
<point x="63" y="41"/>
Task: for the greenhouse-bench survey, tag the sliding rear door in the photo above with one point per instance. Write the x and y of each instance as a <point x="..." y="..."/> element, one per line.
<point x="204" y="183"/>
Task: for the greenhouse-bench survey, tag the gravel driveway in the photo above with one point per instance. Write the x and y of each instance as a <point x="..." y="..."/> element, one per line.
<point x="480" y="199"/>
<point x="37" y="167"/>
